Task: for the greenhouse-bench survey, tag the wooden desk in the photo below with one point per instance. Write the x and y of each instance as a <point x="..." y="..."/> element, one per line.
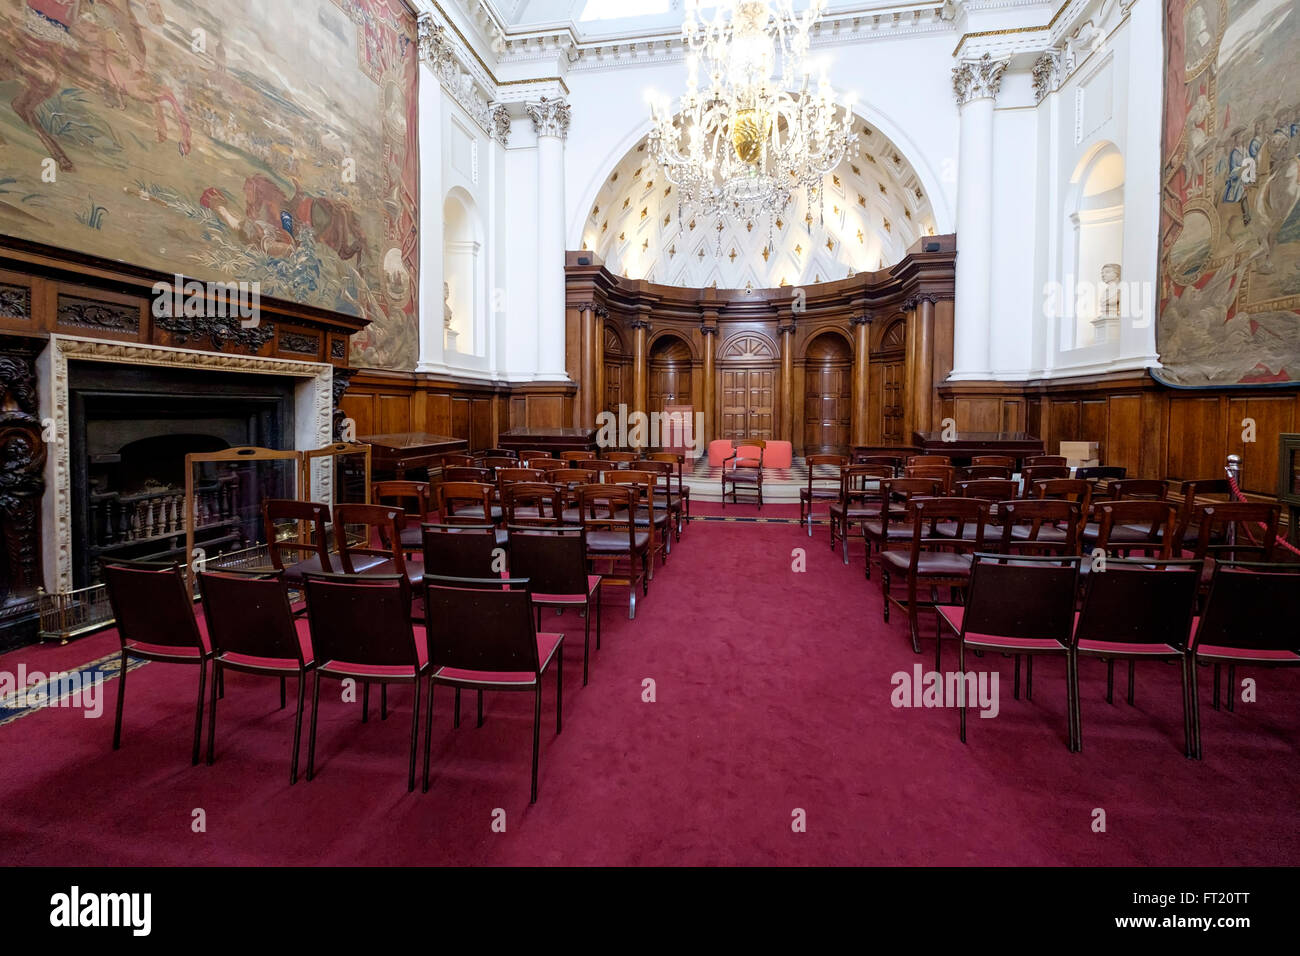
<point x="552" y="440"/>
<point x="393" y="455"/>
<point x="1017" y="445"/>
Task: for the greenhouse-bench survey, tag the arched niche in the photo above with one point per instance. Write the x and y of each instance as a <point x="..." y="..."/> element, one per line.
<point x="670" y="360"/>
<point x="828" y="393"/>
<point x="463" y="276"/>
<point x="1094" y="250"/>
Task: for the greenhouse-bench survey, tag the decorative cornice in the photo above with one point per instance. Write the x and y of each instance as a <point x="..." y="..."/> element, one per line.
<point x="472" y="94"/>
<point x="550" y="116"/>
<point x="978" y="79"/>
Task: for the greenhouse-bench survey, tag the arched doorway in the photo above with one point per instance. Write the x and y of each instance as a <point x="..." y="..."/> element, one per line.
<point x="828" y="394"/>
<point x="747" y="379"/>
<point x="889" y="374"/>
<point x="670" y="373"/>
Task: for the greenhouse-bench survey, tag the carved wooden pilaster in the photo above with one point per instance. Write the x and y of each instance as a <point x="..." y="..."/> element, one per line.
<point x="22" y="478"/>
<point x="342" y="379"/>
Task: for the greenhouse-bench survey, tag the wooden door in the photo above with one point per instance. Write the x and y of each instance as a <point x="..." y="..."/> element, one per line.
<point x="669" y="385"/>
<point x="891" y="403"/>
<point x="827" y="408"/>
<point x="613" y="386"/>
<point x="749" y="403"/>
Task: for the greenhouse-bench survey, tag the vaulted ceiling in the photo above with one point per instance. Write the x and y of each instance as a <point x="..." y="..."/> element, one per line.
<point x="873" y="208"/>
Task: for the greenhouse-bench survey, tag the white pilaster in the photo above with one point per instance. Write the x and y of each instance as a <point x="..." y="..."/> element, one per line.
<point x="551" y="120"/>
<point x="431" y="278"/>
<point x="976" y="84"/>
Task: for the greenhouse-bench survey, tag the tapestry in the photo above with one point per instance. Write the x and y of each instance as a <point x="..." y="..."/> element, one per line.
<point x="1230" y="200"/>
<point x="230" y="140"/>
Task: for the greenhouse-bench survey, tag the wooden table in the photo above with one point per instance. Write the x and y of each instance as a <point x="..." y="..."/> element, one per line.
<point x="966" y="445"/>
<point x="550" y="440"/>
<point x="391" y="456"/>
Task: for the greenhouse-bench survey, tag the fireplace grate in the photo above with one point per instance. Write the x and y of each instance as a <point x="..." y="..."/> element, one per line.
<point x="68" y="614"/>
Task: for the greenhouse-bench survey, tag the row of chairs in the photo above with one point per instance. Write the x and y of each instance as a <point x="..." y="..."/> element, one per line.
<point x="480" y="630"/>
<point x="1139" y="609"/>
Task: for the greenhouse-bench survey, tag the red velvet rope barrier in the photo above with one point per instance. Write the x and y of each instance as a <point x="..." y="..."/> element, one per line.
<point x="1236" y="493"/>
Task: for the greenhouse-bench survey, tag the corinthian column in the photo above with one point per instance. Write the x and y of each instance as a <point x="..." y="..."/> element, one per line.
<point x="551" y="121"/>
<point x="975" y="84"/>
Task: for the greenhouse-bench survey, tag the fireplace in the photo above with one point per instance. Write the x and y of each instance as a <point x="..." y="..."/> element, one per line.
<point x="130" y="429"/>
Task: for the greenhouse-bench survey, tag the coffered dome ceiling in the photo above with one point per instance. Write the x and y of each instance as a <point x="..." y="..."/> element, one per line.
<point x="872" y="210"/>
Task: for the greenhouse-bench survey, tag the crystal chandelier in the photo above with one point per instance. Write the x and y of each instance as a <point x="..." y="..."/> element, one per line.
<point x="755" y="133"/>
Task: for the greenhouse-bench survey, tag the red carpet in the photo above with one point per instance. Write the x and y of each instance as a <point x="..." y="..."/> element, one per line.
<point x="773" y="693"/>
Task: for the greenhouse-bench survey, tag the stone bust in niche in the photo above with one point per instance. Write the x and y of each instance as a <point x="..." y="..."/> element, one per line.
<point x="449" y="333"/>
<point x="1110" y="304"/>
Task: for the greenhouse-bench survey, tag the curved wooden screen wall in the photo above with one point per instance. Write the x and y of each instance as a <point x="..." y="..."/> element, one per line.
<point x="852" y="362"/>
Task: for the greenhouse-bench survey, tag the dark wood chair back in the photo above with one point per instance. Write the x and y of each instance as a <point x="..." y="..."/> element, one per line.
<point x="249" y="614"/>
<point x="1040" y="513"/>
<point x="621" y="457"/>
<point x="917" y="461"/>
<point x="1140" y="601"/>
<point x="994" y="461"/>
<point x="988" y="489"/>
<point x="1041" y="473"/>
<point x="893" y="462"/>
<point x="531" y="453"/>
<point x="457" y="460"/>
<point x="152" y="604"/>
<point x="1252" y="606"/>
<point x="533" y="503"/>
<point x="976" y="472"/>
<point x="1133" y="489"/>
<point x="498" y="453"/>
<point x="463" y="495"/>
<point x="507" y="476"/>
<point x="1160" y="517"/>
<point x="597" y="465"/>
<point x="964" y="513"/>
<point x="546" y="464"/>
<point x="380" y="536"/>
<point x="476" y="627"/>
<point x="577" y="455"/>
<point x="1065" y="489"/>
<point x="469" y="550"/>
<point x="413" y="497"/>
<point x="553" y="560"/>
<point x="609" y="507"/>
<point x="311" y="539"/>
<point x="945" y="473"/>
<point x="462" y="473"/>
<point x="1044" y="588"/>
<point x="1237" y="529"/>
<point x="1036" y="461"/>
<point x="361" y="619"/>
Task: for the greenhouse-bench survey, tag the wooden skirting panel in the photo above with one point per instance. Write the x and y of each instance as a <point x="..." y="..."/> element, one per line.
<point x="1141" y="425"/>
<point x="382" y="403"/>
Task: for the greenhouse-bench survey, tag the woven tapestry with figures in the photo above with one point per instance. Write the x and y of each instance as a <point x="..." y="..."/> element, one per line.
<point x="1230" y="197"/>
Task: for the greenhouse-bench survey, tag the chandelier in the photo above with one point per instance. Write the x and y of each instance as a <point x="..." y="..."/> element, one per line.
<point x="755" y="132"/>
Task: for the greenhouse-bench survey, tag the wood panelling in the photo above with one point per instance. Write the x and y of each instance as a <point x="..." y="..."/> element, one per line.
<point x="1141" y="425"/>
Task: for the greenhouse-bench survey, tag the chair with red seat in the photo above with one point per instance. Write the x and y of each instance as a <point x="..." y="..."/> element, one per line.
<point x="1249" y="618"/>
<point x="934" y="560"/>
<point x="673" y="502"/>
<point x="1022" y="604"/>
<point x="683" y="490"/>
<point x="745" y="471"/>
<point x="608" y="520"/>
<point x="154" y="609"/>
<point x="252" y="630"/>
<point x="824" y="484"/>
<point x="413" y="497"/>
<point x="651" y="511"/>
<point x="554" y="560"/>
<point x="860" y="500"/>
<point x="893" y="526"/>
<point x="483" y="638"/>
<point x="375" y="548"/>
<point x="361" y="630"/>
<point x="1138" y="609"/>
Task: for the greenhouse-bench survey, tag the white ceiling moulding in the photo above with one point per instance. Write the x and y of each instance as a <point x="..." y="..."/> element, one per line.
<point x="585" y="48"/>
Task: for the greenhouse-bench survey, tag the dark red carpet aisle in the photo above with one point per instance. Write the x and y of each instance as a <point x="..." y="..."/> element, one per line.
<point x="773" y="693"/>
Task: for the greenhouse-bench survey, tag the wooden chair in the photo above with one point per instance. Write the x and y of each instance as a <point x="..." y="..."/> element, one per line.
<point x="1035" y="461"/>
<point x="547" y="465"/>
<point x="683" y="489"/>
<point x="1249" y="618"/>
<point x="888" y="460"/>
<point x="813" y="492"/>
<point x="1039" y="621"/>
<point x="361" y="630"/>
<point x="457" y="460"/>
<point x="664" y="488"/>
<point x="934" y="560"/>
<point x="1235" y="531"/>
<point x="1140" y="609"/>
<point x="917" y="461"/>
<point x="976" y="472"/>
<point x="554" y="561"/>
<point x="498" y="453"/>
<point x="651" y="513"/>
<point x="533" y="503"/>
<point x="1197" y="492"/>
<point x="577" y="455"/>
<point x="467" y="473"/>
<point x="530" y="454"/>
<point x="947" y="474"/>
<point x="611" y="533"/>
<point x="506" y="476"/>
<point x="470" y="502"/>
<point x="310" y="521"/>
<point x="993" y="461"/>
<point x="484" y="638"/>
<point x="893" y="525"/>
<point x="992" y="490"/>
<point x="154" y="610"/>
<point x="413" y="498"/>
<point x="1040" y="526"/>
<point x="1148" y="527"/>
<point x="1127" y="489"/>
<point x="860" y="500"/>
<point x="1034" y="473"/>
<point x="744" y="472"/>
<point x="621" y="457"/>
<point x="376" y="550"/>
<point x="597" y="465"/>
<point x="252" y="629"/>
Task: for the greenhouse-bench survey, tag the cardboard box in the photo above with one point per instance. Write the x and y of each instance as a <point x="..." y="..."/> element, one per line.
<point x="1081" y="454"/>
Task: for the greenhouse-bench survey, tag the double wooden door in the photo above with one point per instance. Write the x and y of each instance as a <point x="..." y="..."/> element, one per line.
<point x="827" y="408"/>
<point x="748" y="403"/>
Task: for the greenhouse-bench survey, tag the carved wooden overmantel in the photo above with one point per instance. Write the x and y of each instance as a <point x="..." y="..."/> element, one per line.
<point x="22" y="480"/>
<point x="884" y="338"/>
